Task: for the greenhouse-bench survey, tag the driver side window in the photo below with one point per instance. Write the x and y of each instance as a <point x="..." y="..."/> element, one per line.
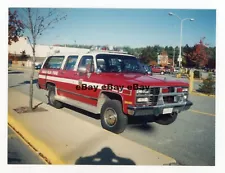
<point x="88" y="63"/>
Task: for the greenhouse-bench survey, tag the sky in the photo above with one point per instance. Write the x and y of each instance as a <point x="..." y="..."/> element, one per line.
<point x="131" y="27"/>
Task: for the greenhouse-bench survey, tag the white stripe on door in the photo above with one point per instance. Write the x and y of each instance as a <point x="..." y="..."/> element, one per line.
<point x="69" y="81"/>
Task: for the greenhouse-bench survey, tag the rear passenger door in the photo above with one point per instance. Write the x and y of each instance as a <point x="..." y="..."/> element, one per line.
<point x="68" y="78"/>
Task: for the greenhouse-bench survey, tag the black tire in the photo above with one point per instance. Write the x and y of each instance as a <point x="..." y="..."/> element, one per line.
<point x="116" y="108"/>
<point x="162" y="72"/>
<point x="53" y="102"/>
<point x="166" y="119"/>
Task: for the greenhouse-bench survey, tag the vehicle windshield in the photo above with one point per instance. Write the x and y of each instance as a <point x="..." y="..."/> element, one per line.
<point x="118" y="63"/>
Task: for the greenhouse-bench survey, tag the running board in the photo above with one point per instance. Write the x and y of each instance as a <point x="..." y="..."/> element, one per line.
<point x="78" y="104"/>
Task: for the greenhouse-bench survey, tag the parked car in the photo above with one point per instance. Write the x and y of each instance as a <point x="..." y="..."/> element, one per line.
<point x="157" y="69"/>
<point x="113" y="86"/>
<point x="38" y="66"/>
<point x="147" y="69"/>
<point x="167" y="69"/>
<point x="9" y="63"/>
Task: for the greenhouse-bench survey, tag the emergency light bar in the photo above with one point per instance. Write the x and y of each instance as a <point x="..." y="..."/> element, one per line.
<point x="105" y="49"/>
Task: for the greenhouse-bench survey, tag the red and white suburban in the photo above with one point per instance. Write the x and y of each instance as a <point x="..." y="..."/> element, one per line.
<point x="114" y="85"/>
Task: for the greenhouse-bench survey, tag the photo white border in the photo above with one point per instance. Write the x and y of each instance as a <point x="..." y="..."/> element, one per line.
<point x="168" y="4"/>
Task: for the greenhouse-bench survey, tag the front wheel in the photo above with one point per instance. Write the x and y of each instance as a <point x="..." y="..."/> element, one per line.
<point x="162" y="72"/>
<point x="112" y="117"/>
<point x="166" y="119"/>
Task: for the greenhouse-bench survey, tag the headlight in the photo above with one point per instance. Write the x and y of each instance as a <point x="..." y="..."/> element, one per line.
<point x="143" y="99"/>
<point x="185" y="90"/>
<point x="185" y="97"/>
<point x="142" y="91"/>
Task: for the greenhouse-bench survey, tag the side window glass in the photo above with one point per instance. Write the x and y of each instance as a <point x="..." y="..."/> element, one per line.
<point x="70" y="63"/>
<point x="88" y="63"/>
<point x="54" y="62"/>
<point x="101" y="64"/>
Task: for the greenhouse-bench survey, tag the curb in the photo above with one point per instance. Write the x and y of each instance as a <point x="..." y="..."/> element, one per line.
<point x="23" y="69"/>
<point x="38" y="146"/>
<point x="202" y="94"/>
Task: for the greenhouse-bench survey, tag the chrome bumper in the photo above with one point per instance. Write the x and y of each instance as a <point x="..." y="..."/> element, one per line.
<point x="158" y="109"/>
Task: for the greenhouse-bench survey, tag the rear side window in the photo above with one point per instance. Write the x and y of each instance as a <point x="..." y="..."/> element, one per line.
<point x="70" y="62"/>
<point x="54" y="62"/>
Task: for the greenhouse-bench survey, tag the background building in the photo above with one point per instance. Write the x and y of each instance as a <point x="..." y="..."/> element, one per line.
<point x="42" y="51"/>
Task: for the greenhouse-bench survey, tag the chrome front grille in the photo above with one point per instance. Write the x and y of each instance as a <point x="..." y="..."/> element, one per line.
<point x="171" y="89"/>
<point x="154" y="92"/>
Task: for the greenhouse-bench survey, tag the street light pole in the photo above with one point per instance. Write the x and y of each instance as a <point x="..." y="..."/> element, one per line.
<point x="173" y="56"/>
<point x="181" y="34"/>
<point x="181" y="28"/>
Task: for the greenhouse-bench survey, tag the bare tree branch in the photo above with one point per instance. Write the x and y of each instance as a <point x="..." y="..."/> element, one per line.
<point x="31" y="44"/>
<point x="36" y="20"/>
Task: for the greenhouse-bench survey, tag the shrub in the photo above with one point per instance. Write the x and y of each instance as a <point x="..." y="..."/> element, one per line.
<point x="197" y="74"/>
<point x="208" y="85"/>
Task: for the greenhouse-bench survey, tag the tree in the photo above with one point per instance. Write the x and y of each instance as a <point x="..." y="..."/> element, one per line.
<point x="211" y="52"/>
<point x="197" y="54"/>
<point x="23" y="56"/>
<point x="15" y="27"/>
<point x="36" y="24"/>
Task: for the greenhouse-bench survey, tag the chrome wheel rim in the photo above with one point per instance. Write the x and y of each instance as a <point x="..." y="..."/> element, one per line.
<point x="110" y="117"/>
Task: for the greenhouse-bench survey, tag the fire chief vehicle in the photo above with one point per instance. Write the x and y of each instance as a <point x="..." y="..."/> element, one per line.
<point x="113" y="85"/>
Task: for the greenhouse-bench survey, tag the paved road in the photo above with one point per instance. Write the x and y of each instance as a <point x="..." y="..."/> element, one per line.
<point x="19" y="152"/>
<point x="190" y="140"/>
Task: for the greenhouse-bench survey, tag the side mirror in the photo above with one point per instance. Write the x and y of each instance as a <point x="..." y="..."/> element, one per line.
<point x="98" y="71"/>
<point x="82" y="70"/>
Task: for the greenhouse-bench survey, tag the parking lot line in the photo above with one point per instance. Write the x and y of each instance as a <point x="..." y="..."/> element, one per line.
<point x="199" y="112"/>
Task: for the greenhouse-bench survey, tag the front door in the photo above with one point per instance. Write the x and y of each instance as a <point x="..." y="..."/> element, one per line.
<point x="89" y="89"/>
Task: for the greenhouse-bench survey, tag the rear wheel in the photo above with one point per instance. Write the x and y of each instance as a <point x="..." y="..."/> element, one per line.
<point x="112" y="117"/>
<point x="51" y="98"/>
<point x="162" y="72"/>
<point x="166" y="119"/>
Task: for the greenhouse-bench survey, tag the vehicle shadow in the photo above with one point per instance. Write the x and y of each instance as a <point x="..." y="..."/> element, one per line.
<point x="104" y="157"/>
<point x="139" y="122"/>
<point x="141" y="127"/>
<point x="24" y="83"/>
<point x="15" y="72"/>
<point x="89" y="114"/>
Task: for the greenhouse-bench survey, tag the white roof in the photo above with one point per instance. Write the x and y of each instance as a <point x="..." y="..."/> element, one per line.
<point x="92" y="53"/>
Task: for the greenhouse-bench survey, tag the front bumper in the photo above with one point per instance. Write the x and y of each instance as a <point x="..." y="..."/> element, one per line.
<point x="158" y="109"/>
